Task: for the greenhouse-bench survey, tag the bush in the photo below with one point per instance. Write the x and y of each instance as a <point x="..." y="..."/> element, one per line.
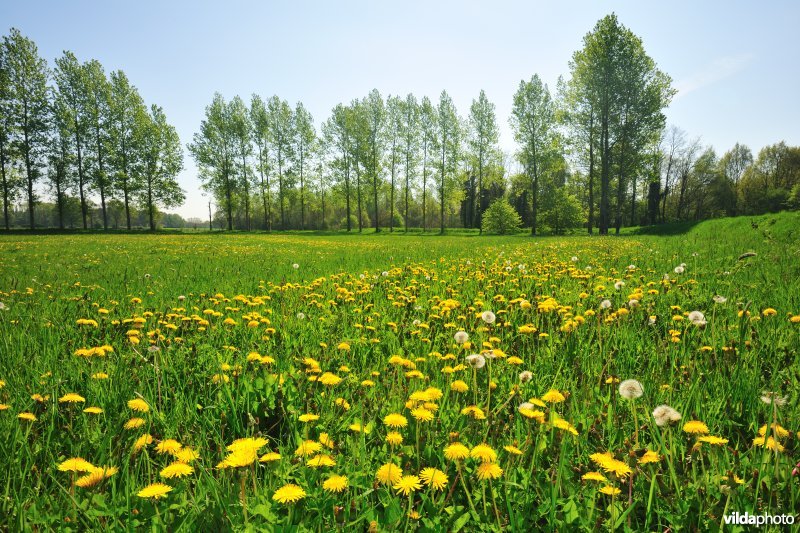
<point x="501" y="218"/>
<point x="566" y="212"/>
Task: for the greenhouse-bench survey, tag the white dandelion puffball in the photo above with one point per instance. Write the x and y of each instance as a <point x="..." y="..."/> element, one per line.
<point x="301" y="315"/>
<point x="651" y="321"/>
<point x="526" y="405"/>
<point x="605" y="304"/>
<point x="488" y="317"/>
<point x="697" y="318"/>
<point x="630" y="389"/>
<point x="574" y="259"/>
<point x="181" y="298"/>
<point x="633" y="303"/>
<point x="664" y="414"/>
<point x="3" y="307"/>
<point x="618" y="285"/>
<point x="476" y="360"/>
<point x="384" y="273"/>
<point x="461" y="337"/>
<point x="679" y="269"/>
<point x="525" y="376"/>
<point x="295" y="266"/>
<point x="719" y="299"/>
<point x="773" y="398"/>
<point x="631" y="267"/>
<point x="417" y="322"/>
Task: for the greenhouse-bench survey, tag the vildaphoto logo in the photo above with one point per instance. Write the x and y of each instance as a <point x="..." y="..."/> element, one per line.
<point x="747" y="519"/>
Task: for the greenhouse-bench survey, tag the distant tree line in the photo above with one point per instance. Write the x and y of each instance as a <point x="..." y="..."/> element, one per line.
<point x="596" y="153"/>
<point x="75" y="133"/>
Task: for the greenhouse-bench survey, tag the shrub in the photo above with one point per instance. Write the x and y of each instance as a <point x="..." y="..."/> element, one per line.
<point x="501" y="218"/>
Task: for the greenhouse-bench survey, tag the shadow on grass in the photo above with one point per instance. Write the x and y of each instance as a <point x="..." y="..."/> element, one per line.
<point x="672" y="228"/>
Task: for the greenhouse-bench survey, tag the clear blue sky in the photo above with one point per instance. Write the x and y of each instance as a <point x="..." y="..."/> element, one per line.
<point x="734" y="62"/>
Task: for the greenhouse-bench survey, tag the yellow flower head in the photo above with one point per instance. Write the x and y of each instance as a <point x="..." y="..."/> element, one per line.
<point x="456" y="452"/>
<point x="553" y="396"/>
<point x="176" y="469"/>
<point x="137" y="404"/>
<point x="389" y="474"/>
<point x="289" y="493"/>
<point x="407" y="484"/>
<point x="484" y="453"/>
<point x="154" y="491"/>
<point x="433" y="477"/>
<point x="695" y="427"/>
<point x="72" y="398"/>
<point x="488" y="471"/>
<point x="335" y="483"/>
<point x="395" y="420"/>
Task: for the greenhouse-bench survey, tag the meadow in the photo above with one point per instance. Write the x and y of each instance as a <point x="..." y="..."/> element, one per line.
<point x="384" y="382"/>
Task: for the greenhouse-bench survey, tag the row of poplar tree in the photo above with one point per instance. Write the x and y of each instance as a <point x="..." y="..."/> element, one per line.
<point x="394" y="159"/>
<point x="82" y="133"/>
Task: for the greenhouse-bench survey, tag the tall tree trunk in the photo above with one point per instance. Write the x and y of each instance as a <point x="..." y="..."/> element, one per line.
<point x="441" y="189"/>
<point x="347" y="193"/>
<point x="358" y="196"/>
<point x="101" y="179"/>
<point x="150" y="202"/>
<point x="391" y="192"/>
<point x="5" y="185"/>
<point x="479" y="212"/>
<point x="228" y="197"/>
<point x="302" y="191"/>
<point x="408" y="185"/>
<point x="28" y="169"/>
<point x="280" y="190"/>
<point x="605" y="173"/>
<point x="81" y="181"/>
<point x="424" y="184"/>
<point x="620" y="190"/>
<point x="591" y="171"/>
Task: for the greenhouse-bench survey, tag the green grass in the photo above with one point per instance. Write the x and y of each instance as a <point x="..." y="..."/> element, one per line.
<point x="386" y="295"/>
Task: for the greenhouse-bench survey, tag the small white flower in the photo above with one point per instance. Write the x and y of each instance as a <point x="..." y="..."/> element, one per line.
<point x="361" y="276"/>
<point x="416" y="322"/>
<point x="384" y="273"/>
<point x="664" y="414"/>
<point x="295" y="266"/>
<point x="588" y="267"/>
<point x="574" y="259"/>
<point x="147" y="276"/>
<point x="181" y="298"/>
<point x="631" y="267"/>
<point x="773" y="398"/>
<point x="488" y="317"/>
<point x="679" y="269"/>
<point x="719" y="299"/>
<point x="301" y="315"/>
<point x="618" y="285"/>
<point x="3" y="307"/>
<point x="697" y="318"/>
<point x="461" y="337"/>
<point x="605" y="304"/>
<point x="476" y="360"/>
<point x="525" y="376"/>
<point x="630" y="389"/>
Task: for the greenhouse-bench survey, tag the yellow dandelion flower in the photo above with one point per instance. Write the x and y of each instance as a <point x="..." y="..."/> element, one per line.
<point x="134" y="423"/>
<point x="433" y="477"/>
<point x="711" y="439"/>
<point x="76" y="464"/>
<point x="308" y="447"/>
<point x="770" y="443"/>
<point x="30" y="417"/>
<point x="330" y="379"/>
<point x="459" y="386"/>
<point x="321" y="460"/>
<point x="269" y="457"/>
<point x="611" y="491"/>
<point x="649" y="457"/>
<point x="343" y="346"/>
<point x="776" y="430"/>
<point x="474" y="411"/>
<point x="456" y="452"/>
<point x="394" y="438"/>
<point x="93" y="410"/>
<point x="512" y="450"/>
<point x="594" y="476"/>
<point x="488" y="471"/>
<point x="484" y="453"/>
<point x="72" y="398"/>
<point x="395" y="420"/>
<point x="389" y="474"/>
<point x="154" y="491"/>
<point x="695" y="427"/>
<point x="96" y="476"/>
<point x="422" y="415"/>
<point x="326" y="440"/>
<point x="308" y="417"/>
<point x="137" y="404"/>
<point x="553" y="396"/>
<point x="170" y="446"/>
<point x="407" y="485"/>
<point x="186" y="455"/>
<point x="335" y="483"/>
<point x="142" y="441"/>
<point x="176" y="469"/>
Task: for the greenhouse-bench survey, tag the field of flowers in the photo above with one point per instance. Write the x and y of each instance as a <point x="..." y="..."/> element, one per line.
<point x="383" y="383"/>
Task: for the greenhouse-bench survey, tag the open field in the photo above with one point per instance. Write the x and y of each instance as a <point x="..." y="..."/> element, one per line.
<point x="248" y="372"/>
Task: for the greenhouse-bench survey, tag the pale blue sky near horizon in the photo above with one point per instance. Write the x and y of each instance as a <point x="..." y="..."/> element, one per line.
<point x="734" y="63"/>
